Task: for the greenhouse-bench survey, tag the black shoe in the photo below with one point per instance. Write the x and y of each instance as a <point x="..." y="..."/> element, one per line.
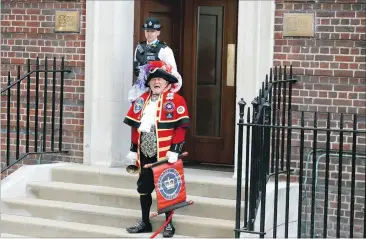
<point x="169" y="230"/>
<point x="140" y="227"/>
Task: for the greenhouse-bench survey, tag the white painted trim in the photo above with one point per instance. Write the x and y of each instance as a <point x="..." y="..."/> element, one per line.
<point x="108" y="77"/>
<point x="254" y="54"/>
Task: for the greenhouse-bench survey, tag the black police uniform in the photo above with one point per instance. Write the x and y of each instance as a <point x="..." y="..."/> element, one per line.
<point x="146" y="53"/>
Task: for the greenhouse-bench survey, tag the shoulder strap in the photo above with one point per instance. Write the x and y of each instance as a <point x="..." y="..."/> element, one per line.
<point x="162" y="44"/>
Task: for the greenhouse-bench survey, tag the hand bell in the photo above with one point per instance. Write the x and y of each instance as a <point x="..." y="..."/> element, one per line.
<point x="132" y="169"/>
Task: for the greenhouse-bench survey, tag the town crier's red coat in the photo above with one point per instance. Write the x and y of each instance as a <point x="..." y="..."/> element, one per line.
<point x="172" y="119"/>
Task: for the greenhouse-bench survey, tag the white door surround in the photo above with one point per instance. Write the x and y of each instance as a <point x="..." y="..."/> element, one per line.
<point x="108" y="76"/>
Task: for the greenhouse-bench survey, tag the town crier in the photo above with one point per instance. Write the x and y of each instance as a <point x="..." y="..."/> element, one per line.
<point x="159" y="119"/>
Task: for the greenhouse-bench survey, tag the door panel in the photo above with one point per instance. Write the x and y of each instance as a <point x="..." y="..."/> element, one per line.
<point x="209" y="30"/>
<point x="208" y="71"/>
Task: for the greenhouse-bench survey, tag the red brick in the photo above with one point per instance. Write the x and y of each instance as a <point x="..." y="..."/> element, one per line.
<point x="359" y="103"/>
<point x="344" y="58"/>
<point x="34" y="11"/>
<point x="323" y="72"/>
<point x="361" y="29"/>
<point x="18" y="11"/>
<point x="345" y="14"/>
<point x="17" y="61"/>
<point x="360" y="74"/>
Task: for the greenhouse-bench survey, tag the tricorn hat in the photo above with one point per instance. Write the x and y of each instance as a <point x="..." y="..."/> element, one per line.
<point x="162" y="70"/>
<point x="152" y="23"/>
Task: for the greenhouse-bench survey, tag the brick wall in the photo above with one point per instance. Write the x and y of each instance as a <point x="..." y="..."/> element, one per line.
<point x="331" y="72"/>
<point x="331" y="66"/>
<point x="27" y="29"/>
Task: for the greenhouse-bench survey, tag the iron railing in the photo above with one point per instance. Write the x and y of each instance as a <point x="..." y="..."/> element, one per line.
<point x="278" y="137"/>
<point x="29" y="85"/>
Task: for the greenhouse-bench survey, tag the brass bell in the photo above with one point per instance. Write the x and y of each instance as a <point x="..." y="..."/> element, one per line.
<point x="132" y="169"/>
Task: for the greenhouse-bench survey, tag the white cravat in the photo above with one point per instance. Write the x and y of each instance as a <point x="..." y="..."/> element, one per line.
<point x="148" y="117"/>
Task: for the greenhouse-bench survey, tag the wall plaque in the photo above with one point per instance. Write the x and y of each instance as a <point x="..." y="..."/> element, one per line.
<point x="230" y="70"/>
<point x="298" y="24"/>
<point x="67" y="21"/>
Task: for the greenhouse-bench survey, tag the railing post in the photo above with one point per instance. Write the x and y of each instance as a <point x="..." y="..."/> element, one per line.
<point x="61" y="103"/>
<point x="247" y="164"/>
<point x="253" y="172"/>
<point x="340" y="165"/>
<point x="264" y="164"/>
<point x="53" y="105"/>
<point x="315" y="137"/>
<point x="301" y="173"/>
<point x="28" y="107"/>
<point x="239" y="167"/>
<point x="18" y="116"/>
<point x="36" y="110"/>
<point x="45" y="106"/>
<point x="8" y="123"/>
<point x="353" y="175"/>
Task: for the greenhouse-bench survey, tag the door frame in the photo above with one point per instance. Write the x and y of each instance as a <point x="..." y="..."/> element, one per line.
<point x="249" y="74"/>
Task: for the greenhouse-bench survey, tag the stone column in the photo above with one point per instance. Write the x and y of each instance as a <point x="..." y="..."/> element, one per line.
<point x="254" y="55"/>
<point x="108" y="77"/>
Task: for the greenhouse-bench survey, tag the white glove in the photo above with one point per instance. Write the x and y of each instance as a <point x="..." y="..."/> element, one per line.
<point x="132" y="157"/>
<point x="172" y="157"/>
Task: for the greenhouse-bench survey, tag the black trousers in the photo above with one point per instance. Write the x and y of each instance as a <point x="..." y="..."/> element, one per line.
<point x="145" y="182"/>
<point x="145" y="186"/>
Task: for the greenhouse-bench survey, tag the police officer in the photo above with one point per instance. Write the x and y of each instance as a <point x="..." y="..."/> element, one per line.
<point x="154" y="50"/>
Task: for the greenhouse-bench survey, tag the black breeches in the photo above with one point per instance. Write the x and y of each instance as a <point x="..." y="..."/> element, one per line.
<point x="145" y="183"/>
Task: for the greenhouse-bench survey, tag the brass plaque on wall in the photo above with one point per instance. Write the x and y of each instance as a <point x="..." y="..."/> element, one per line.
<point x="298" y="24"/>
<point x="230" y="70"/>
<point x="67" y="21"/>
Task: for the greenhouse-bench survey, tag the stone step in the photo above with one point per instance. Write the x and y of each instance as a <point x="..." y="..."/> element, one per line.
<point x="114" y="217"/>
<point x="204" y="183"/>
<point x="40" y="227"/>
<point x="6" y="235"/>
<point x="126" y="198"/>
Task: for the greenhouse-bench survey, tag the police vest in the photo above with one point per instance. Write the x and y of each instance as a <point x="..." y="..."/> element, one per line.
<point x="146" y="53"/>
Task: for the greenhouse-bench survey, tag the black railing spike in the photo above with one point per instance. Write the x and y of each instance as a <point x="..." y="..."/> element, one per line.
<point x="275" y="74"/>
<point x="248" y="115"/>
<point x="270" y="74"/>
<point x="290" y="72"/>
<point x="285" y="72"/>
<point x="241" y="104"/>
<point x="255" y="101"/>
<point x="280" y="73"/>
<point x="266" y="84"/>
